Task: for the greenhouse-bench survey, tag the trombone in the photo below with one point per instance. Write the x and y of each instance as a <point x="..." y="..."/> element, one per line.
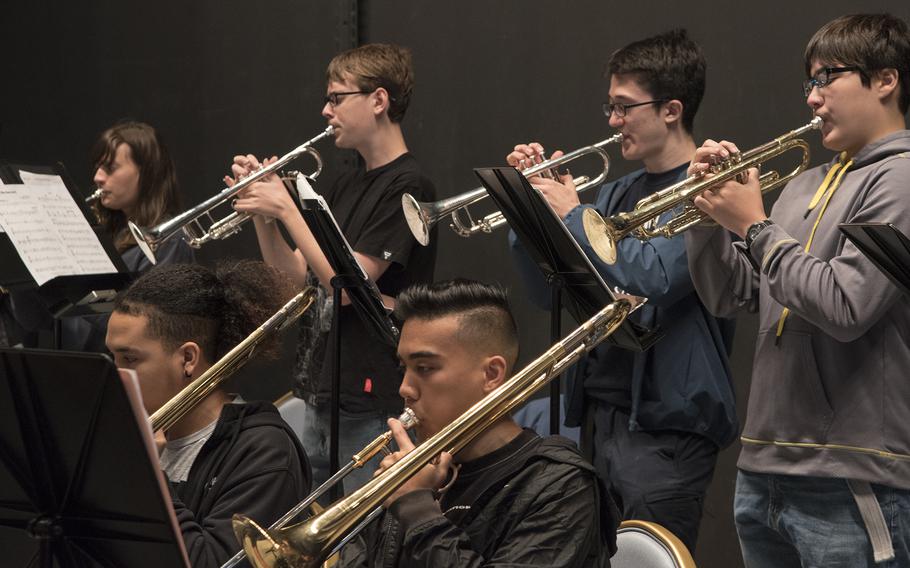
<point x="422" y="216"/>
<point x="190" y="222"/>
<point x="408" y="419"/>
<point x="308" y="543"/>
<point x="176" y="408"/>
<point x="642" y="221"/>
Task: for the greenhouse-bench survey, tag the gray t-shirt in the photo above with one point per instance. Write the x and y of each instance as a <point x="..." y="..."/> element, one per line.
<point x="178" y="455"/>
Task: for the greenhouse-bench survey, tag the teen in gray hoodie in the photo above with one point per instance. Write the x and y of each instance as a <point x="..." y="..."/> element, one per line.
<point x="825" y="468"/>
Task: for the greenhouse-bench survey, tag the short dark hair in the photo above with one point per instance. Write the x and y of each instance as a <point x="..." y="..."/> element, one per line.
<point x="215" y="309"/>
<point x="669" y="66"/>
<point x="377" y="65"/>
<point x="158" y="197"/>
<point x="482" y="309"/>
<point x="871" y="42"/>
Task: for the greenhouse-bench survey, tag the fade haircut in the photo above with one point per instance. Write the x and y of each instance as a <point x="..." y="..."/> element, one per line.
<point x="215" y="309"/>
<point x="377" y="65"/>
<point x="158" y="197"/>
<point x="483" y="312"/>
<point x="871" y="42"/>
<point x="669" y="66"/>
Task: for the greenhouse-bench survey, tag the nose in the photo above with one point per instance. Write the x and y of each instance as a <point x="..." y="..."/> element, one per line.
<point x="814" y="99"/>
<point x="327" y="110"/>
<point x="407" y="390"/>
<point x="100" y="177"/>
<point x="616" y="121"/>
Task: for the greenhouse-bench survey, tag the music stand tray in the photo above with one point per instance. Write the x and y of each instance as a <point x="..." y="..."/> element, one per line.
<point x="555" y="251"/>
<point x="78" y="487"/>
<point x="886" y="247"/>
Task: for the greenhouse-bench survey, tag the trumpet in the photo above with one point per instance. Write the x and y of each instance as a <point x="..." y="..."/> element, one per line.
<point x="308" y="543"/>
<point x="190" y="222"/>
<point x="408" y="419"/>
<point x="642" y="222"/>
<point x="95" y="196"/>
<point x="422" y="216"/>
<point x="176" y="408"/>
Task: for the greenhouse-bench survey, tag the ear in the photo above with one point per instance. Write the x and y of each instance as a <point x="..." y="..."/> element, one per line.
<point x="380" y="101"/>
<point x="672" y="112"/>
<point x="190" y="355"/>
<point x="886" y="82"/>
<point x="494" y="373"/>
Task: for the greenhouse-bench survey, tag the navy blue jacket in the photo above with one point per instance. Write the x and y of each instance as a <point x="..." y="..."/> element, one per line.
<point x="681" y="383"/>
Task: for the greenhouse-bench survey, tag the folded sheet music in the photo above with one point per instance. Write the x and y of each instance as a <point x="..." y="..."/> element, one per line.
<point x="48" y="229"/>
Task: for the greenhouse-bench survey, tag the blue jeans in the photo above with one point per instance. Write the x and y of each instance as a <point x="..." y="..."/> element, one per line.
<point x="788" y="521"/>
<point x="357" y="430"/>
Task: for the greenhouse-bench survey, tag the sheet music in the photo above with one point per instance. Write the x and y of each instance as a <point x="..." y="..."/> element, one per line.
<point x="48" y="229"/>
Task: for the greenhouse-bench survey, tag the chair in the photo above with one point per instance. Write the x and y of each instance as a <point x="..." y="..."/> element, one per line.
<point x="292" y="409"/>
<point x="643" y="544"/>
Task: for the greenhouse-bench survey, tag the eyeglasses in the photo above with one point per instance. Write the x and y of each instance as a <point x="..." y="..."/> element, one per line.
<point x="332" y="98"/>
<point x="823" y="77"/>
<point x="620" y="109"/>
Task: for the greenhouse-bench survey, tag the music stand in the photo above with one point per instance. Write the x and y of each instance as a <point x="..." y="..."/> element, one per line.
<point x="567" y="269"/>
<point x="886" y="247"/>
<point x="78" y="487"/>
<point x="64" y="296"/>
<point x="363" y="293"/>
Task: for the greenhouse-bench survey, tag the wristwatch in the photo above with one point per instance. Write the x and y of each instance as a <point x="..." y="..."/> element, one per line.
<point x="754" y="229"/>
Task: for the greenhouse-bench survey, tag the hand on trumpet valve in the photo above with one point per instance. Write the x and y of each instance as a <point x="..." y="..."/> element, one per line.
<point x="432" y="476"/>
<point x="558" y="189"/>
<point x="266" y="198"/>
<point x="735" y="204"/>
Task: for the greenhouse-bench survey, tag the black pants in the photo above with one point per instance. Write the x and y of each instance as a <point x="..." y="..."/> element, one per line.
<point x="659" y="476"/>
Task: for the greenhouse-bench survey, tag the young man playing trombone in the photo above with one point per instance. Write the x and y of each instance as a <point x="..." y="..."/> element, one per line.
<point x="368" y="92"/>
<point x="511" y="498"/>
<point x="824" y="473"/>
<point x="658" y="417"/>
<point x="225" y="455"/>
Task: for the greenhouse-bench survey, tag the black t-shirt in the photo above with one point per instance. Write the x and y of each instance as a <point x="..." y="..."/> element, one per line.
<point x="609" y="371"/>
<point x="367" y="206"/>
<point x="476" y="476"/>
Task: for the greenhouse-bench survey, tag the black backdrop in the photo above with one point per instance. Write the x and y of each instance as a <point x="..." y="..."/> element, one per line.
<point x="222" y="77"/>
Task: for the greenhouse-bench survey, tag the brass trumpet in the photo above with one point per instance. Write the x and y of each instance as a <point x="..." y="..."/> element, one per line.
<point x="422" y="216"/>
<point x="308" y="543"/>
<point x="176" y="408"/>
<point x="190" y="222"/>
<point x="95" y="196"/>
<point x="642" y="221"/>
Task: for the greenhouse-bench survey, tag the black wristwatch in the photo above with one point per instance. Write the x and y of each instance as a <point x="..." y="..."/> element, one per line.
<point x="754" y="229"/>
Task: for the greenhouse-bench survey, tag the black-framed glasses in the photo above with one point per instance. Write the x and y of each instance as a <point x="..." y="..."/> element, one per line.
<point x="332" y="98"/>
<point x="824" y="77"/>
<point x="620" y="109"/>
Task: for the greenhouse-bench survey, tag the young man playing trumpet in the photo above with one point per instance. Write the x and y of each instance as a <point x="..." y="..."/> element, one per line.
<point x="224" y="456"/>
<point x="368" y="92"/>
<point x="658" y="417"/>
<point x="824" y="473"/>
<point x="511" y="497"/>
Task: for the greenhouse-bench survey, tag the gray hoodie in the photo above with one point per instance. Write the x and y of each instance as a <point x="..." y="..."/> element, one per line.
<point x="831" y="396"/>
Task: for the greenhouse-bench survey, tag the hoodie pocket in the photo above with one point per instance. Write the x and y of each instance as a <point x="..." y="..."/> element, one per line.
<point x="787" y="401"/>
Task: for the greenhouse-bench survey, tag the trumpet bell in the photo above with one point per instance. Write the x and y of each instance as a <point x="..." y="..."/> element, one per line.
<point x="418" y="218"/>
<point x="601" y="235"/>
<point x="145" y="241"/>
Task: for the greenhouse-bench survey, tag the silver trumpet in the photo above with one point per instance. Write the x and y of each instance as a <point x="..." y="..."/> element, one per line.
<point x="95" y="196"/>
<point x="422" y="216"/>
<point x="190" y="222"/>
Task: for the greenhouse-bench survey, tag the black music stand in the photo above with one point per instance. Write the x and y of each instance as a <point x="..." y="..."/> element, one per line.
<point x="64" y="296"/>
<point x="365" y="297"/>
<point x="77" y="485"/>
<point x="886" y="247"/>
<point x="568" y="271"/>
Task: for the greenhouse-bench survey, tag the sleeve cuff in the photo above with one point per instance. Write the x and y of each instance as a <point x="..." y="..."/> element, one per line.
<point x="415" y="508"/>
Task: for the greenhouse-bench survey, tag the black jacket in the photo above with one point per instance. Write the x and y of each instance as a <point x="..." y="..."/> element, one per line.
<point x="252" y="464"/>
<point x="547" y="510"/>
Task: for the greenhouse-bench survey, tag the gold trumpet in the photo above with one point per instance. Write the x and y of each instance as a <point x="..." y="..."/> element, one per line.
<point x="308" y="543"/>
<point x="176" y="408"/>
<point x="422" y="216"/>
<point x="190" y="222"/>
<point x="642" y="222"/>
